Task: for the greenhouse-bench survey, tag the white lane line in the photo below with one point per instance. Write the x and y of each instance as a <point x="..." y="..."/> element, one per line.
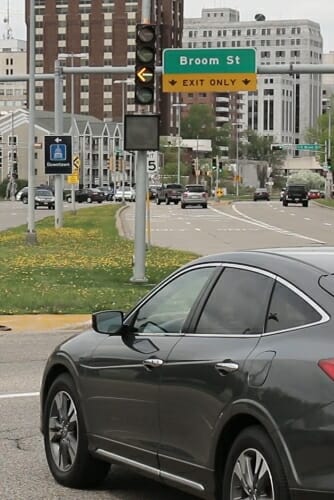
<point x="327" y="224"/>
<point x="197" y="229"/>
<point x="292" y="215"/>
<point x="246" y="219"/>
<point x="307" y="218"/>
<point x="19" y="395"/>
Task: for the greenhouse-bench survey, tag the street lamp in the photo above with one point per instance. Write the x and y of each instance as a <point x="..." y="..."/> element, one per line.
<point x="71" y="56"/>
<point x="179" y="105"/>
<point x="124" y="82"/>
<point x="236" y="125"/>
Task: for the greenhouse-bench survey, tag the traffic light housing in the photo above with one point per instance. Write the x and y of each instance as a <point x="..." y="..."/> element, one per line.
<point x="214" y="163"/>
<point x="220" y="166"/>
<point x="145" y="63"/>
<point x="117" y="162"/>
<point x="329" y="163"/>
<point x="193" y="166"/>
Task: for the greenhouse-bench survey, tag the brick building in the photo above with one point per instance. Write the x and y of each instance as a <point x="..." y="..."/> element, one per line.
<point x="103" y="33"/>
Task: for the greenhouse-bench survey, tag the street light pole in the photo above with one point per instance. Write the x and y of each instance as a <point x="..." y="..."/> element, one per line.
<point x="178" y="105"/>
<point x="124" y="106"/>
<point x="75" y="146"/>
<point x="236" y="125"/>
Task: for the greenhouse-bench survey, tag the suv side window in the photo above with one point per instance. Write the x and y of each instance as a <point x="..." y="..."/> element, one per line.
<point x="289" y="310"/>
<point x="237" y="305"/>
<point x="168" y="309"/>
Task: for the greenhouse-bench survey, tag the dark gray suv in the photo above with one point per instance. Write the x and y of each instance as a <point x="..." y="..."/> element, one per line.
<point x="219" y="382"/>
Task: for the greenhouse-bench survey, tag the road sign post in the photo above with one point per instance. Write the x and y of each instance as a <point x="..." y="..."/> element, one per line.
<point x="209" y="70"/>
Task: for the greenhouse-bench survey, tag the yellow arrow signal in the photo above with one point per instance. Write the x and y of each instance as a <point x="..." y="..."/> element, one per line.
<point x="145" y="74"/>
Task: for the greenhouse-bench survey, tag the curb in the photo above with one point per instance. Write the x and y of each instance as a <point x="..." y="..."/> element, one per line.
<point x="321" y="205"/>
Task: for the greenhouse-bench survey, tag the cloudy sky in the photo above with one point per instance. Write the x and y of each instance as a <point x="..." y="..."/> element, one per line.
<point x="321" y="11"/>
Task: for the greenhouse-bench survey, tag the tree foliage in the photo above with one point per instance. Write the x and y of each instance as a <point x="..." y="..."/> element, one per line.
<point x="310" y="179"/>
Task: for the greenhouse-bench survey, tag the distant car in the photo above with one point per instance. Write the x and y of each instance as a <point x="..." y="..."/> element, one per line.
<point x="44" y="198"/>
<point x="295" y="193"/>
<point x="129" y="194"/>
<point x="314" y="194"/>
<point x="87" y="195"/>
<point x="21" y="193"/>
<point x="108" y="192"/>
<point x="322" y="194"/>
<point x="194" y="194"/>
<point x="153" y="190"/>
<point x="282" y="194"/>
<point x="169" y="193"/>
<point x="261" y="194"/>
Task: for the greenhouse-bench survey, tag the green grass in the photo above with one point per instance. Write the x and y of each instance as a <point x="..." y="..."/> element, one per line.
<point x="327" y="203"/>
<point x="83" y="267"/>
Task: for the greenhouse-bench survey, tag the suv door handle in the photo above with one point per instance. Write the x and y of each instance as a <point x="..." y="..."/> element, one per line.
<point x="152" y="363"/>
<point x="225" y="367"/>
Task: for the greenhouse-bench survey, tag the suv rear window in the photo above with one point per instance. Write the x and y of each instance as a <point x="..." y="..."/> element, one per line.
<point x="195" y="188"/>
<point x="174" y="186"/>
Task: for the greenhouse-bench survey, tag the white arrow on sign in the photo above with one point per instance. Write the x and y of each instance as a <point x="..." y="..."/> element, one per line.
<point x="58" y="139"/>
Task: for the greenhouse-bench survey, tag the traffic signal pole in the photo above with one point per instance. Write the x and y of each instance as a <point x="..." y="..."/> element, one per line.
<point x="141" y="186"/>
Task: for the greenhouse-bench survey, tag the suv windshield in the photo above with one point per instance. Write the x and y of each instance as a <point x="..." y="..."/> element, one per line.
<point x="174" y="186"/>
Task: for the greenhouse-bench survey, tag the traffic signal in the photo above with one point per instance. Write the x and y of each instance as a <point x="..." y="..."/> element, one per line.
<point x="145" y="63"/>
<point x="214" y="163"/>
<point x="117" y="162"/>
<point x="220" y="166"/>
<point x="329" y="163"/>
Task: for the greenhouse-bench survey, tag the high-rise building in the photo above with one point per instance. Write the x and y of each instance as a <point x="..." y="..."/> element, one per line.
<point x="284" y="106"/>
<point x="13" y="95"/>
<point x="103" y="33"/>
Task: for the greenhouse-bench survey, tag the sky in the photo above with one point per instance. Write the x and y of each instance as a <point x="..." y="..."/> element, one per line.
<point x="321" y="11"/>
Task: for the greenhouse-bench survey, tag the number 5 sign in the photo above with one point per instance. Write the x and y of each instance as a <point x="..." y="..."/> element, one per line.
<point x="152" y="162"/>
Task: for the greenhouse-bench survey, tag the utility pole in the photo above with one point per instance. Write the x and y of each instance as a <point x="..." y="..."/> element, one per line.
<point x="31" y="237"/>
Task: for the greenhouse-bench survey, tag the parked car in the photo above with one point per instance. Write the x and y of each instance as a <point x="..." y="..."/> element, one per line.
<point x="314" y="194"/>
<point x="295" y="193"/>
<point x="22" y="192"/>
<point x="219" y="382"/>
<point x="44" y="198"/>
<point x="129" y="194"/>
<point x="261" y="194"/>
<point x="194" y="194"/>
<point x="169" y="193"/>
<point x="87" y="195"/>
<point x="108" y="192"/>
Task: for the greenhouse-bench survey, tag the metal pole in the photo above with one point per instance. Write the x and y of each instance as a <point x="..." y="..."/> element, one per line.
<point x="179" y="145"/>
<point x="329" y="152"/>
<point x="31" y="237"/>
<point x="141" y="175"/>
<point x="58" y="130"/>
<point x="237" y="161"/>
<point x="123" y="142"/>
<point x="73" y="208"/>
<point x="12" y="179"/>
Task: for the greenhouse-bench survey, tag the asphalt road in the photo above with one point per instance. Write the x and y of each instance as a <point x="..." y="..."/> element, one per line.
<point x="23" y="471"/>
<point x="15" y="213"/>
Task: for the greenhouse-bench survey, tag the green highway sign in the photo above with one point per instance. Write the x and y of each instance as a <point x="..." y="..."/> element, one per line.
<point x="194" y="61"/>
<point x="308" y="147"/>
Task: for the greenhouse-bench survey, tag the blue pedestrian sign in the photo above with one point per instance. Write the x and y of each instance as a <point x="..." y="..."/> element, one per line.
<point x="58" y="154"/>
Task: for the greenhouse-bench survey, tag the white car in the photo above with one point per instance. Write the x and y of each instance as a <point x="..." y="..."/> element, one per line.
<point x="129" y="194"/>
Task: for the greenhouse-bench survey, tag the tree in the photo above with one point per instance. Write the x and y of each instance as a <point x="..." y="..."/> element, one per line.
<point x="310" y="179"/>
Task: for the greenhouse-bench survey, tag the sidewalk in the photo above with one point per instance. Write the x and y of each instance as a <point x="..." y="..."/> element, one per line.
<point x="31" y="323"/>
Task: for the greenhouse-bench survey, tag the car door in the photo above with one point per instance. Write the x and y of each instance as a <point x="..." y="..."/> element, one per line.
<point x="123" y="375"/>
<point x="204" y="374"/>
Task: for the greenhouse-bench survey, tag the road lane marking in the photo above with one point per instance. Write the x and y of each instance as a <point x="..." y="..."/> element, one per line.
<point x="19" y="395"/>
<point x="327" y="224"/>
<point x="246" y="219"/>
<point x="307" y="218"/>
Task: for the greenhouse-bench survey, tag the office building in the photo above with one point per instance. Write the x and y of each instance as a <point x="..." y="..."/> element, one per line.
<point x="101" y="33"/>
<point x="284" y="106"/>
<point x="13" y="61"/>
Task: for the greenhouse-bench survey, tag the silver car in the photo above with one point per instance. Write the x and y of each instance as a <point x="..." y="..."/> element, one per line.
<point x="194" y="194"/>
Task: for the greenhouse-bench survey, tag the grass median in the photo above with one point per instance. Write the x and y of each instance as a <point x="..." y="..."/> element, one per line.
<point x="82" y="267"/>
